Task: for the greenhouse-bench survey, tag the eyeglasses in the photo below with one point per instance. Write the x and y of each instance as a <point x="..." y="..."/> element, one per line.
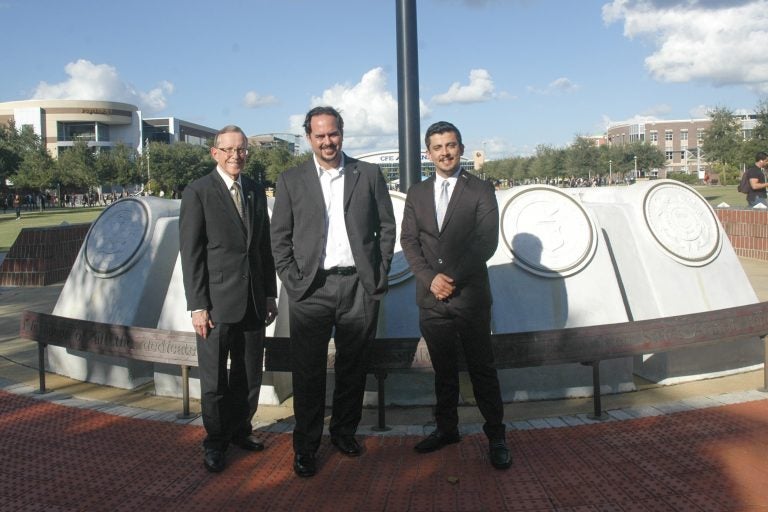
<point x="232" y="151"/>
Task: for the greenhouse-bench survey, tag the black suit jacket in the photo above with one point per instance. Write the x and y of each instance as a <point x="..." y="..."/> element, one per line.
<point x="222" y="257"/>
<point x="298" y="226"/>
<point x="469" y="238"/>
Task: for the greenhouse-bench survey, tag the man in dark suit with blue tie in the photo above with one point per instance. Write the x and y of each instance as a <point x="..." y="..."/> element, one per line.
<point x="450" y="229"/>
<point x="333" y="234"/>
<point x="230" y="287"/>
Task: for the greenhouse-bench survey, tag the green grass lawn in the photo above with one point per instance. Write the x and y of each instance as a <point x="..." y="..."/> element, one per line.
<point x="10" y="227"/>
<point x="723" y="194"/>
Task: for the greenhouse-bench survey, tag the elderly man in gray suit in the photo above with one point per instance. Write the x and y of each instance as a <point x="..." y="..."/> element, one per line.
<point x="333" y="234"/>
<point x="230" y="287"/>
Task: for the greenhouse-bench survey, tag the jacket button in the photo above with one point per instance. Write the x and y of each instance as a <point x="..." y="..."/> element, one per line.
<point x="440" y="261"/>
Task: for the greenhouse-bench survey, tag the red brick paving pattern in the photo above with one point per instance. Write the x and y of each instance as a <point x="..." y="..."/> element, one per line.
<point x="64" y="459"/>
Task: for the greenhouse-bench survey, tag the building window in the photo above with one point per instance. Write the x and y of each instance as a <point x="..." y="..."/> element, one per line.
<point x="700" y="134"/>
<point x="654" y="136"/>
<point x="71" y="132"/>
<point x="684" y="135"/>
<point x="668" y="135"/>
<point x="668" y="154"/>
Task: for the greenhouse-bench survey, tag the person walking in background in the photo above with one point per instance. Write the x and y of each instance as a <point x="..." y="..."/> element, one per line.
<point x="757" y="181"/>
<point x="230" y="287"/>
<point x="333" y="234"/>
<point x="450" y="229"/>
<point x="17" y="205"/>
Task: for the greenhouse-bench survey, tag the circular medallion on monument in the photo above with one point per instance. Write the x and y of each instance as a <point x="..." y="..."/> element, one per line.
<point x="682" y="223"/>
<point x="399" y="270"/>
<point x="547" y="232"/>
<point x="116" y="239"/>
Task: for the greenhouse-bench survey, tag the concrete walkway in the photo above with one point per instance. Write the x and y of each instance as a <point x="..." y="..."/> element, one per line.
<point x="695" y="446"/>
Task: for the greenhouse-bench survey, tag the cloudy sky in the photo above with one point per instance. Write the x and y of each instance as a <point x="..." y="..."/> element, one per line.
<point x="511" y="74"/>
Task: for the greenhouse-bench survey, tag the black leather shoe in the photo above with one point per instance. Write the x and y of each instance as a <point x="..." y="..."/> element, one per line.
<point x="499" y="454"/>
<point x="214" y="460"/>
<point x="304" y="464"/>
<point x="346" y="444"/>
<point x="249" y="443"/>
<point x="436" y="440"/>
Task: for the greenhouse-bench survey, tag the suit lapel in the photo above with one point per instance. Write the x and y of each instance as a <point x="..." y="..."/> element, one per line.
<point x="312" y="183"/>
<point x="225" y="197"/>
<point x="351" y="175"/>
<point x="461" y="183"/>
<point x="250" y="209"/>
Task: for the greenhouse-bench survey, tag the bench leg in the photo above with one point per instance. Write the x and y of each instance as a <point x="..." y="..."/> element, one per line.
<point x="382" y="424"/>
<point x="765" y="364"/>
<point x="185" y="414"/>
<point x="597" y="406"/>
<point x="41" y="368"/>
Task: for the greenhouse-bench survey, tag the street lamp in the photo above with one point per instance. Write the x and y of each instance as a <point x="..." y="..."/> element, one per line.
<point x="149" y="176"/>
<point x="610" y="171"/>
<point x="635" y="167"/>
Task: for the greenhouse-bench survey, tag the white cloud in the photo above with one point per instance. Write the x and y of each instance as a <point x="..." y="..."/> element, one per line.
<point x="89" y="81"/>
<point x="560" y="85"/>
<point x="369" y="110"/>
<point x="253" y="99"/>
<point x="722" y="43"/>
<point x="479" y="89"/>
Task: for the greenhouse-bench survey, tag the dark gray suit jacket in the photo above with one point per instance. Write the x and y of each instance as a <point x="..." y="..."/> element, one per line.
<point x="298" y="226"/>
<point x="222" y="257"/>
<point x="469" y="238"/>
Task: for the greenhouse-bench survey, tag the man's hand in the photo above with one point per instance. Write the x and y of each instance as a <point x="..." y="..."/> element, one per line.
<point x="202" y="322"/>
<point x="442" y="287"/>
<point x="271" y="311"/>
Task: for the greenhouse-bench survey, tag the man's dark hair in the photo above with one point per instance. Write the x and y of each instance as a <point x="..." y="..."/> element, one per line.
<point x="441" y="127"/>
<point x="761" y="155"/>
<point x="321" y="111"/>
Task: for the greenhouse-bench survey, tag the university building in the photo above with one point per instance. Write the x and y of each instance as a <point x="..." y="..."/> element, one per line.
<point x="101" y="124"/>
<point x="680" y="141"/>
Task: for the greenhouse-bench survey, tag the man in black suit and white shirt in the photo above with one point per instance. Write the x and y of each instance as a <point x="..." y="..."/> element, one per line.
<point x="230" y="287"/>
<point x="333" y="234"/>
<point x="450" y="230"/>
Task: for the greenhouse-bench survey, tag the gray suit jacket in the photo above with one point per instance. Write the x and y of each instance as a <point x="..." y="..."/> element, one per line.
<point x="469" y="238"/>
<point x="222" y="257"/>
<point x="299" y="233"/>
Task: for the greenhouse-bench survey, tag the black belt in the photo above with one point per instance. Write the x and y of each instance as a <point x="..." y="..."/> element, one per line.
<point x="339" y="271"/>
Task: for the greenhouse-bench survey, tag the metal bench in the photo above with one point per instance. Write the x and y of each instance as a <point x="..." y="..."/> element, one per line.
<point x="585" y="345"/>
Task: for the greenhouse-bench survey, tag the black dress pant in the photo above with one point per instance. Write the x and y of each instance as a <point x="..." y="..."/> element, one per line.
<point x="336" y="306"/>
<point x="448" y="332"/>
<point x="229" y="399"/>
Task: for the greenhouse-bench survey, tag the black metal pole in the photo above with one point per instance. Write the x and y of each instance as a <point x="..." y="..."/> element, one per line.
<point x="408" y="94"/>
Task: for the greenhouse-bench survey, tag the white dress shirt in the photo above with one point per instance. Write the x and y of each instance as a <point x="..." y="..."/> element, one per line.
<point x="337" y="252"/>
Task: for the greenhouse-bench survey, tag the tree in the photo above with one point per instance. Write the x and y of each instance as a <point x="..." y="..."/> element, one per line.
<point x="582" y="157"/>
<point x="36" y="171"/>
<point x="759" y="139"/>
<point x="118" y="166"/>
<point x="722" y="141"/>
<point x="77" y="168"/>
<point x="172" y="166"/>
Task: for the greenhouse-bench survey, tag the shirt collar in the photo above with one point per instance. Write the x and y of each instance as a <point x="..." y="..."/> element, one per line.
<point x="338" y="170"/>
<point x="228" y="181"/>
<point x="452" y="178"/>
